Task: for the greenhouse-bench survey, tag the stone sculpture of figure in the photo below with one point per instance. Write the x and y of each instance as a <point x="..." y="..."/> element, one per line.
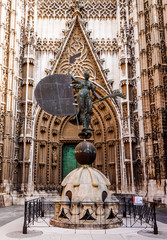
<point x="84" y="102"/>
<point x="54" y="156"/>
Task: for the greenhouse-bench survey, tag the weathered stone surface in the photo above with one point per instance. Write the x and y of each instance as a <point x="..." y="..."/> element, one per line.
<point x="86" y="201"/>
<point x="123" y="46"/>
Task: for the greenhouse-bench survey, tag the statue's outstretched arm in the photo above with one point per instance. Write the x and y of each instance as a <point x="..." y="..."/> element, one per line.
<point x="76" y="80"/>
<point x="76" y="86"/>
<point x="112" y="95"/>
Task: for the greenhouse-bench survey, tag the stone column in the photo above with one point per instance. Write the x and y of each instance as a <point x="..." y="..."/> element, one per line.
<point x="127" y="85"/>
<point x="137" y="47"/>
<point x="153" y="80"/>
<point x="27" y="103"/>
<point x="7" y="29"/>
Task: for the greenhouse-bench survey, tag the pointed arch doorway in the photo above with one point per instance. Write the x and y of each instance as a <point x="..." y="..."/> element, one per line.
<point x="69" y="162"/>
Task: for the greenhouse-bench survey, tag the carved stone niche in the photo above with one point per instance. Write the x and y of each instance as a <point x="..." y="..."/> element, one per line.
<point x="123" y="82"/>
<point x="98" y="132"/>
<point x="31" y="82"/>
<point x="111" y="143"/>
<point x="41" y="164"/>
<point x="54" y="132"/>
<point x="42" y="129"/>
<point x="115" y="46"/>
<point x="57" y="121"/>
<point x="98" y="145"/>
<point x="95" y="121"/>
<point x="106" y="71"/>
<point x="45" y="116"/>
<point x="126" y="140"/>
<point x="42" y="144"/>
<point x="28" y="140"/>
<point x="21" y="139"/>
<point x="54" y="155"/>
<point x="107" y="117"/>
<point x="101" y="106"/>
<point x="55" y="145"/>
<point x="138" y="152"/>
<point x="110" y="129"/>
<point x="122" y="61"/>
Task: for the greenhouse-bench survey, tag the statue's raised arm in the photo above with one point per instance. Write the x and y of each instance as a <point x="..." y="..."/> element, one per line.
<point x="76" y="80"/>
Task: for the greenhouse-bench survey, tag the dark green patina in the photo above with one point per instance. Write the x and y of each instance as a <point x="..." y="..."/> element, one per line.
<point x="69" y="162"/>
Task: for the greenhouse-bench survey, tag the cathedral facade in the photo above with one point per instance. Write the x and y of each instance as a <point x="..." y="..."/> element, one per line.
<point x="123" y="45"/>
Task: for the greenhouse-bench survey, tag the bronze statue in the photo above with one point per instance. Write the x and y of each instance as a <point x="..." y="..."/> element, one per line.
<point x="84" y="102"/>
<point x="55" y="96"/>
<point x="84" y="110"/>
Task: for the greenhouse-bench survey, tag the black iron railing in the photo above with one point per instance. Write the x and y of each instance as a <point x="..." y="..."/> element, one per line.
<point x="41" y="210"/>
<point x="35" y="210"/>
<point x="143" y="214"/>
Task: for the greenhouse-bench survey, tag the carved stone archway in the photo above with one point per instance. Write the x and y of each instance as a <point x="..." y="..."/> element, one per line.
<point x="52" y="132"/>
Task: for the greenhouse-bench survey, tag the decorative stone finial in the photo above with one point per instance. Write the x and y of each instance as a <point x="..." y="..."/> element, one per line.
<point x="77" y="6"/>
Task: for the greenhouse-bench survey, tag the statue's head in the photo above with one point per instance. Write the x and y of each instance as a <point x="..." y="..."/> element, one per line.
<point x="86" y="75"/>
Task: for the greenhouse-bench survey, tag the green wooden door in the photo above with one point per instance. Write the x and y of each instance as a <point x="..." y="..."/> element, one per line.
<point x="69" y="163"/>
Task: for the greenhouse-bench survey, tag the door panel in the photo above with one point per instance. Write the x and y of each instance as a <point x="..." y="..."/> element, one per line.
<point x="68" y="162"/>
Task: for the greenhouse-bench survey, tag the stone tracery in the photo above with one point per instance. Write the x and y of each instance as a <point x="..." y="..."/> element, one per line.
<point x="88" y="9"/>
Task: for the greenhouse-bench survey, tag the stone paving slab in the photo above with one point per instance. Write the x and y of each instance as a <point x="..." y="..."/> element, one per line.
<point x="13" y="230"/>
<point x="162" y="215"/>
<point x="8" y="214"/>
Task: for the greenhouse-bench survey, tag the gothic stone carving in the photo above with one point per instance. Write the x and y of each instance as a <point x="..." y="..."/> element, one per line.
<point x="87" y="9"/>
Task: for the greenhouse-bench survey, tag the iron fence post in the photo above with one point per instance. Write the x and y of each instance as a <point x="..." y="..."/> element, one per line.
<point x="42" y="206"/>
<point x="25" y="219"/>
<point x="124" y="211"/>
<point x="155" y="221"/>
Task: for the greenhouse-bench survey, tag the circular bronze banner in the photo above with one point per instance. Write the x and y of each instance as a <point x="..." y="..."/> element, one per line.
<point x="54" y="94"/>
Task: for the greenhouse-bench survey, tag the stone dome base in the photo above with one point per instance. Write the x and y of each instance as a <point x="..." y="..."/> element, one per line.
<point x="86" y="201"/>
<point x="90" y="215"/>
<point x="89" y="226"/>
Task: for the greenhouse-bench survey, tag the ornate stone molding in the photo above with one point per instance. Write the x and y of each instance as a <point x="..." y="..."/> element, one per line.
<point x="49" y="45"/>
<point x="45" y="116"/>
<point x="67" y="9"/>
<point x="110" y="129"/>
<point x="106" y="45"/>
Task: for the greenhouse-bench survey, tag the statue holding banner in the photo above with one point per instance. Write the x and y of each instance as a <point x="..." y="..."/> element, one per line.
<point x="84" y="111"/>
<point x="54" y="95"/>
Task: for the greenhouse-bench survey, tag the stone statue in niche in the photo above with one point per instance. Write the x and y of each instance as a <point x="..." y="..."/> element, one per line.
<point x="54" y="157"/>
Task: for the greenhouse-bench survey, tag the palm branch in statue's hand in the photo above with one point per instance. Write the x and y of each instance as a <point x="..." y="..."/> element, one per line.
<point x="112" y="95"/>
